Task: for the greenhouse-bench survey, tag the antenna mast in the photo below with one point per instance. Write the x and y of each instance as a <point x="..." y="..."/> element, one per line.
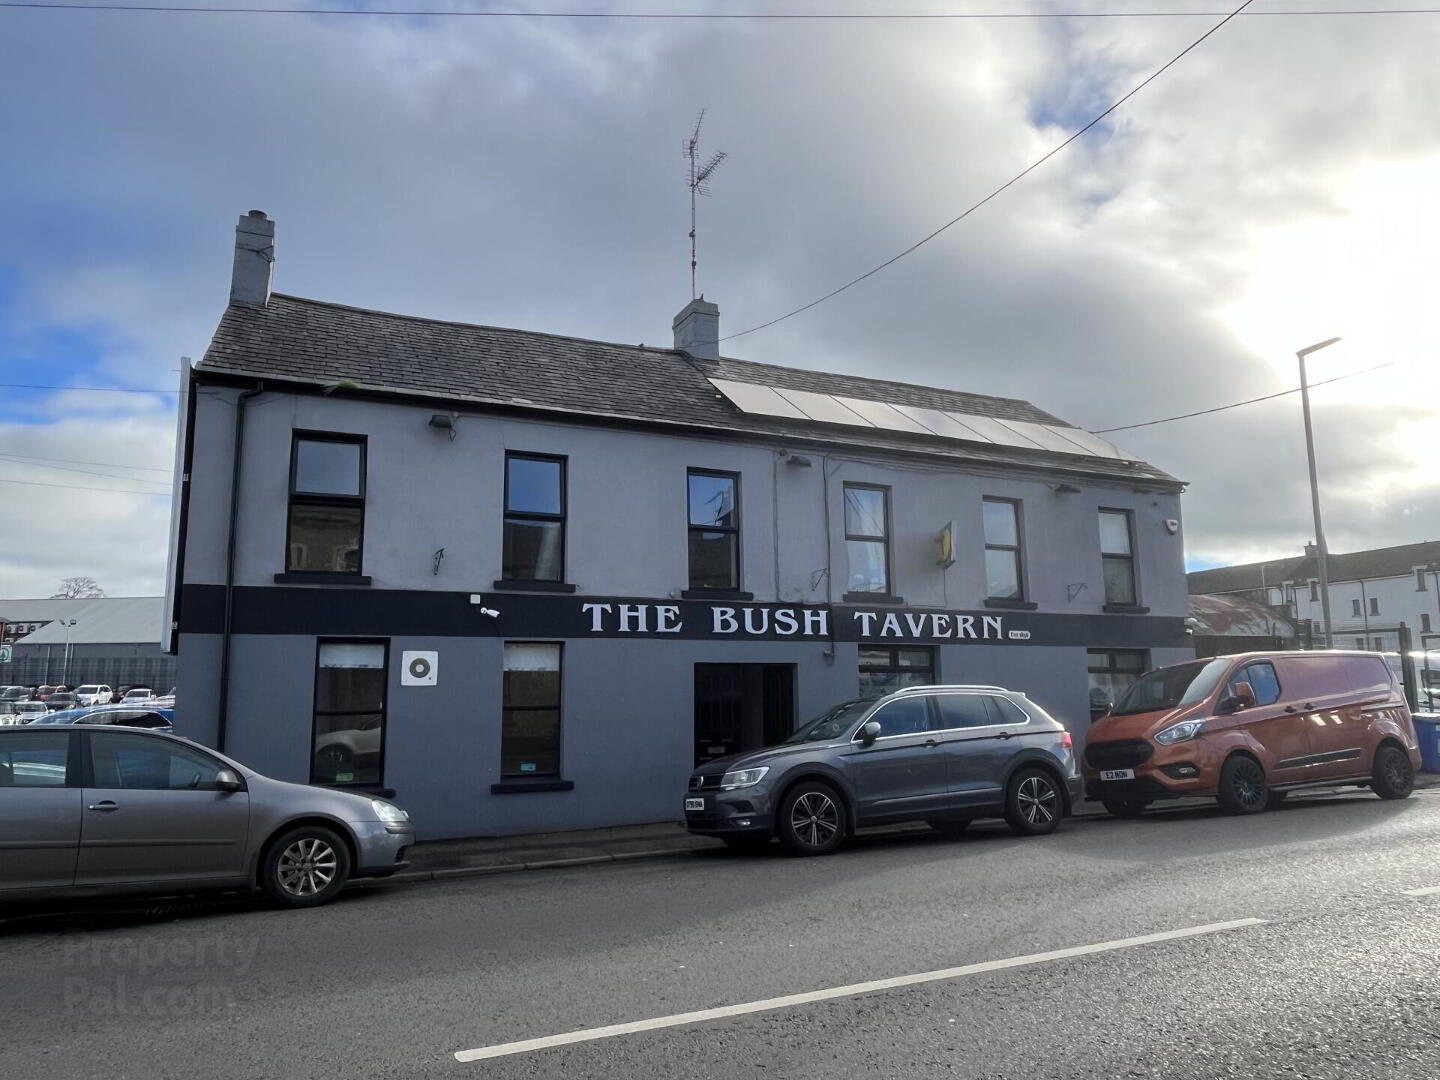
<point x="698" y="182"/>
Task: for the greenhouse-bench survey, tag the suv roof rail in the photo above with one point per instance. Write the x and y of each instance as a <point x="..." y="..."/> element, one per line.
<point x="949" y="686"/>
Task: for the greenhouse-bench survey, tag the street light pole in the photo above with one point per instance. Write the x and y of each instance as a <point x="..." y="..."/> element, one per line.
<point x="1321" y="554"/>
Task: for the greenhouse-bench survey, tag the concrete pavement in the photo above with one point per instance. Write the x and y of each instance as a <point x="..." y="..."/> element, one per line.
<point x="1341" y="977"/>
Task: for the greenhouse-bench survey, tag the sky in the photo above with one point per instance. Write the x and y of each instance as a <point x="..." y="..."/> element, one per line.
<point x="1273" y="189"/>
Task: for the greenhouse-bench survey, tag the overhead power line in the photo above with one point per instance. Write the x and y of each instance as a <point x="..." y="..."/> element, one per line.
<point x="77" y="487"/>
<point x="1003" y="187"/>
<point x="73" y="461"/>
<point x="1248" y="401"/>
<point x="96" y="389"/>
<point x="83" y="472"/>
<point x="770" y="16"/>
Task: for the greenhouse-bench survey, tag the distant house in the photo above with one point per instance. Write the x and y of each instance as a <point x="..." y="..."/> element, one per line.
<point x="1224" y="624"/>
<point x="1371" y="593"/>
<point x="112" y="640"/>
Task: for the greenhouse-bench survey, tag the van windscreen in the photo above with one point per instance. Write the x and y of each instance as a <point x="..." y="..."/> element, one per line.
<point x="1171" y="687"/>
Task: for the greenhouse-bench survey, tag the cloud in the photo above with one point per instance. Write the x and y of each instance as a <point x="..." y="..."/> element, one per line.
<point x="527" y="173"/>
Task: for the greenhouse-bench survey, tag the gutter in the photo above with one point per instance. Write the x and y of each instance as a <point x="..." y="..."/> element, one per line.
<point x="223" y="714"/>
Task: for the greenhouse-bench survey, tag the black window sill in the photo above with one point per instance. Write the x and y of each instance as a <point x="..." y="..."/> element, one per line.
<point x="303" y="577"/>
<point x="523" y="787"/>
<point x="1125" y="609"/>
<point x="533" y="586"/>
<point x="872" y="598"/>
<point x="716" y="594"/>
<point x="1010" y="605"/>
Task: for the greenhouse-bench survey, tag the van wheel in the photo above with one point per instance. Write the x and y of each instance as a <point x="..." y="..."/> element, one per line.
<point x="948" y="826"/>
<point x="1033" y="804"/>
<point x="1126" y="808"/>
<point x="1393" y="776"/>
<point x="812" y="819"/>
<point x="305" y="867"/>
<point x="1242" y="787"/>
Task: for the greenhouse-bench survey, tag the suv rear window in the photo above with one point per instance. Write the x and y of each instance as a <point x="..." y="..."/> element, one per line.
<point x="963" y="710"/>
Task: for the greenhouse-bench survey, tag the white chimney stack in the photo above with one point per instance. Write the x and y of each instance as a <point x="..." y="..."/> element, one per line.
<point x="254" y="259"/>
<point x="697" y="329"/>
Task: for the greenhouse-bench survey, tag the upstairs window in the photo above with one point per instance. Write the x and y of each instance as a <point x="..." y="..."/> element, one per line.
<point x="534" y="544"/>
<point x="1355" y="608"/>
<point x="714" y="529"/>
<point x="1314" y="591"/>
<point x="1117" y="552"/>
<point x="1003" y="580"/>
<point x="867" y="538"/>
<point x="1420" y="579"/>
<point x="327" y="503"/>
<point x="1374" y="605"/>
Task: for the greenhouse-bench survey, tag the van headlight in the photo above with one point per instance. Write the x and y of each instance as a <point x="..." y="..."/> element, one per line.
<point x="743" y="778"/>
<point x="392" y="816"/>
<point x="1179" y="732"/>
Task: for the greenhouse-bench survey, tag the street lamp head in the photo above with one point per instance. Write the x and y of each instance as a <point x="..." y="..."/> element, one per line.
<point x="1317" y="347"/>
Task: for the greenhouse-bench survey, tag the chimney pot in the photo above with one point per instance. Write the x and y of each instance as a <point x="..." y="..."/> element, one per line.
<point x="254" y="260"/>
<point x="697" y="329"/>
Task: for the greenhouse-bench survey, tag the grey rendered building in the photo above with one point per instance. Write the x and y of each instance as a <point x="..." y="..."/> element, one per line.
<point x="527" y="581"/>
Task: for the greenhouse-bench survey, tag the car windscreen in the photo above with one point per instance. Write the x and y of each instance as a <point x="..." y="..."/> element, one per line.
<point x="834" y="724"/>
<point x="1171" y="687"/>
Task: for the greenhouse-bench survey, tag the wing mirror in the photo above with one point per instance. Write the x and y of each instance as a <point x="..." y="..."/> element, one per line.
<point x="228" y="780"/>
<point x="869" y="732"/>
<point x="1242" y="696"/>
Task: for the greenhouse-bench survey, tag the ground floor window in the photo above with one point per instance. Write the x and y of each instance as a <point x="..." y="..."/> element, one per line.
<point x="530" y="728"/>
<point x="349" y="743"/>
<point x="884" y="670"/>
<point x="1111" y="671"/>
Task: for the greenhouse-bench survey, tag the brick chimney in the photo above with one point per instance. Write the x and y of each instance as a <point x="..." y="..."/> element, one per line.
<point x="254" y="259"/>
<point x="697" y="329"/>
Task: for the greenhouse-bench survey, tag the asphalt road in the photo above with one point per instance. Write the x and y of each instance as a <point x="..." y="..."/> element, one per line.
<point x="1340" y="979"/>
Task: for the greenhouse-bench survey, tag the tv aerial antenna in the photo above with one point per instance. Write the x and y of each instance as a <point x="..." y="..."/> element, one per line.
<point x="698" y="181"/>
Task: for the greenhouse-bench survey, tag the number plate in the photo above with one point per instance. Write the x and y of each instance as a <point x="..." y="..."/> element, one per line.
<point x="1118" y="774"/>
<point x="694" y="804"/>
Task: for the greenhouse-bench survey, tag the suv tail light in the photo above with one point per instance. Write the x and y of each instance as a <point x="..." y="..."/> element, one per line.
<point x="1067" y="740"/>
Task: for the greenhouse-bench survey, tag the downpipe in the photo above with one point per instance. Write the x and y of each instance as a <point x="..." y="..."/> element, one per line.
<point x="223" y="713"/>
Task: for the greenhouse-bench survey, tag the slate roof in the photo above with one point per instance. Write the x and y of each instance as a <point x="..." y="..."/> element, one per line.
<point x="105" y="620"/>
<point x="314" y="342"/>
<point x="1234" y="616"/>
<point x="1356" y="565"/>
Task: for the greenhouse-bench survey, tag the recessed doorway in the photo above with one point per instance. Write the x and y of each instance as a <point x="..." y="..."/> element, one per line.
<point x="740" y="707"/>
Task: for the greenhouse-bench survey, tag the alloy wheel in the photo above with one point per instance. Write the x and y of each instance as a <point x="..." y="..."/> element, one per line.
<point x="1248" y="783"/>
<point x="1398" y="770"/>
<point x="814" y="819"/>
<point x="1036" y="799"/>
<point x="307" y="867"/>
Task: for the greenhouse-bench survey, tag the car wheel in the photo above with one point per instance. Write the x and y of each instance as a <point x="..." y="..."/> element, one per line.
<point x="1393" y="776"/>
<point x="1126" y="808"/>
<point x="948" y="826"/>
<point x="1033" y="803"/>
<point x="1242" y="787"/>
<point x="305" y="867"/>
<point x="812" y="819"/>
<point x="747" y="841"/>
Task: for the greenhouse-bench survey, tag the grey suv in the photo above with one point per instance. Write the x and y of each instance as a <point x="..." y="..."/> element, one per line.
<point x="940" y="754"/>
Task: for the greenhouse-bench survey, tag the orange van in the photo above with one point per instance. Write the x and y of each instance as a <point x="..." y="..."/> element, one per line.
<point x="1248" y="729"/>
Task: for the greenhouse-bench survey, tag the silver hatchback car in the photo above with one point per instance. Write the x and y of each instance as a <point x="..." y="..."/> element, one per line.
<point x="89" y="811"/>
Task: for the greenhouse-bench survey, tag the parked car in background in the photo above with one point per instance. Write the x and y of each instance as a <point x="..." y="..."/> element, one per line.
<point x="61" y="699"/>
<point x="100" y="810"/>
<point x="28" y="711"/>
<point x="8" y="715"/>
<point x="1249" y="729"/>
<point x="945" y="755"/>
<point x="137" y="693"/>
<point x="93" y="694"/>
<point x="43" y="693"/>
<point x="15" y="693"/>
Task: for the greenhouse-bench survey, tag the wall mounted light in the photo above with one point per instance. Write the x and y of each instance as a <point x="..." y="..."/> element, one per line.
<point x="1065" y="489"/>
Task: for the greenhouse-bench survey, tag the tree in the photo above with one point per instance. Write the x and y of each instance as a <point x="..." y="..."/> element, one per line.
<point x="78" y="588"/>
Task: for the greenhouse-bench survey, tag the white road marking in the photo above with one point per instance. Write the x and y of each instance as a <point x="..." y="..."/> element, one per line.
<point x="852" y="990"/>
<point x="1431" y="891"/>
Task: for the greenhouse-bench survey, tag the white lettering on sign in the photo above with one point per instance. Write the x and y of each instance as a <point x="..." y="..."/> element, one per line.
<point x="667" y="619"/>
<point x="597" y="615"/>
<point x="817" y="623"/>
<point x="632" y="617"/>
<point x="785" y="622"/>
<point x="723" y="620"/>
<point x="867" y="620"/>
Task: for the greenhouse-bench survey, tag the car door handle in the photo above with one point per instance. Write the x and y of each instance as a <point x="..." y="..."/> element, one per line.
<point x="931" y="743"/>
<point x="1005" y="735"/>
<point x="1291" y="708"/>
<point x="105" y="807"/>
